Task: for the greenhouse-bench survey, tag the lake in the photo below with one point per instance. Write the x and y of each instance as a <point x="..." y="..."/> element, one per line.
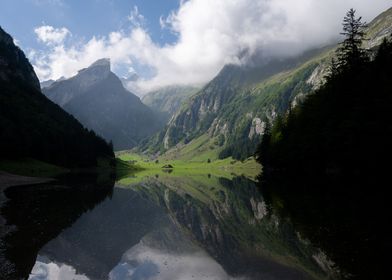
<point x="152" y="227"/>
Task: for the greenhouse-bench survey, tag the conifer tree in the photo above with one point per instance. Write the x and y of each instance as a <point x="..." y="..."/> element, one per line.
<point x="351" y="54"/>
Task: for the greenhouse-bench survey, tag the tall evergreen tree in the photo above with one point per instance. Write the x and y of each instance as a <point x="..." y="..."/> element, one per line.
<point x="351" y="54"/>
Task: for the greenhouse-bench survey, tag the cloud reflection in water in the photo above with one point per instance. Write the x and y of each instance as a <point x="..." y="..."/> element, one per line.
<point x="142" y="262"/>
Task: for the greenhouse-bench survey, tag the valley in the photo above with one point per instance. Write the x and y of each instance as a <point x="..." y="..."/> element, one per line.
<point x="226" y="168"/>
<point x="232" y="141"/>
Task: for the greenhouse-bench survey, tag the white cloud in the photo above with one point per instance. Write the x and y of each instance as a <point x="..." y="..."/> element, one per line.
<point x="50" y="270"/>
<point x="50" y="35"/>
<point x="136" y="18"/>
<point x="162" y="22"/>
<point x="16" y="42"/>
<point x="210" y="35"/>
<point x="144" y="262"/>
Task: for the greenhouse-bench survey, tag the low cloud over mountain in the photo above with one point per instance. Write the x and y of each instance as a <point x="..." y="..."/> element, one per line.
<point x="209" y="35"/>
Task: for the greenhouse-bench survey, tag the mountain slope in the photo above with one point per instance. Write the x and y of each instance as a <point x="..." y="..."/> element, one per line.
<point x="47" y="83"/>
<point x="33" y="126"/>
<point x="168" y="100"/>
<point x="97" y="98"/>
<point x="233" y="107"/>
<point x="228" y="116"/>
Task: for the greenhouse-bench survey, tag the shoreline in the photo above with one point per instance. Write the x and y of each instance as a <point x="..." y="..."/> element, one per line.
<point x="9" y="180"/>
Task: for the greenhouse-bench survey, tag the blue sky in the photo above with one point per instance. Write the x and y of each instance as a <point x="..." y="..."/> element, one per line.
<point x="85" y="18"/>
<point x="171" y="41"/>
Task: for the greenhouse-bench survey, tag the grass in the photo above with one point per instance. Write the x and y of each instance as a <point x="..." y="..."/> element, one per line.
<point x="31" y="167"/>
<point x="226" y="168"/>
<point x="199" y="149"/>
<point x="199" y="156"/>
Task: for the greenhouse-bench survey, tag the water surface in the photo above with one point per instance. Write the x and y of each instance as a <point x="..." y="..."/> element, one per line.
<point x="156" y="227"/>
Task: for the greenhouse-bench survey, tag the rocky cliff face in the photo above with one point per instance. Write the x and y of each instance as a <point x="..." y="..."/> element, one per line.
<point x="77" y="85"/>
<point x="168" y="100"/>
<point x="378" y="29"/>
<point x="236" y="105"/>
<point x="97" y="98"/>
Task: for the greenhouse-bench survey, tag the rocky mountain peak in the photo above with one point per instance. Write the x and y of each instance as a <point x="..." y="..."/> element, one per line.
<point x="100" y="68"/>
<point x="97" y="71"/>
<point x="103" y="63"/>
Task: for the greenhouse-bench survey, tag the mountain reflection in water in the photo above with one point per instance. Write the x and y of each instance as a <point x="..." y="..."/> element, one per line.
<point x="160" y="227"/>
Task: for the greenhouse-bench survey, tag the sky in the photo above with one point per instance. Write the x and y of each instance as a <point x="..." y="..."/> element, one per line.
<point x="171" y="41"/>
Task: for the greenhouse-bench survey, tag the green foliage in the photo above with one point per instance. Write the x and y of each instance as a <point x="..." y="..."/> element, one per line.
<point x="220" y="140"/>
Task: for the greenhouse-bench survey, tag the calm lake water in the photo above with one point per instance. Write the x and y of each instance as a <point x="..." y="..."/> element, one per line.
<point x="158" y="227"/>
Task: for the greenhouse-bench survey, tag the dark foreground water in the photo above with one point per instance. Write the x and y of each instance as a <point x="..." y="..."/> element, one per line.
<point x="160" y="227"/>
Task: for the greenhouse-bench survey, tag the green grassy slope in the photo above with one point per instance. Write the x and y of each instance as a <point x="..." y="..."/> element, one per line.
<point x="169" y="99"/>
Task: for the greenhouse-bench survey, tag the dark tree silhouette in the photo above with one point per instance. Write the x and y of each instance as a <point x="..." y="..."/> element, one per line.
<point x="351" y="53"/>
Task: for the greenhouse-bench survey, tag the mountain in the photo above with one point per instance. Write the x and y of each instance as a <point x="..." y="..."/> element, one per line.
<point x="130" y="83"/>
<point x="228" y="116"/>
<point x="230" y="112"/>
<point x="33" y="126"/>
<point x="168" y="100"/>
<point x="98" y="99"/>
<point x="47" y="83"/>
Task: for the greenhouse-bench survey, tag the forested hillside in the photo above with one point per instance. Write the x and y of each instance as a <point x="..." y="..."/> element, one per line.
<point x="33" y="126"/>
